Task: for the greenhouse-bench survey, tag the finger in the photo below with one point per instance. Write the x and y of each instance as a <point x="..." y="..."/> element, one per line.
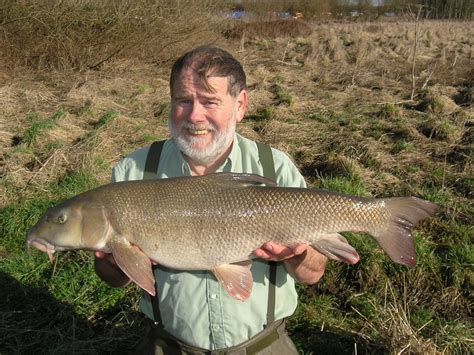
<point x="300" y="249"/>
<point x="278" y="251"/>
<point x="107" y="257"/>
<point x="261" y="253"/>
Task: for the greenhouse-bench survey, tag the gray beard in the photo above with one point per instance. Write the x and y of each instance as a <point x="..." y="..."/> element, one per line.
<point x="187" y="145"/>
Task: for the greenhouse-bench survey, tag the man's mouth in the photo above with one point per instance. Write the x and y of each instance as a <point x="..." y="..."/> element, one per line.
<point x="198" y="129"/>
<point x="198" y="132"/>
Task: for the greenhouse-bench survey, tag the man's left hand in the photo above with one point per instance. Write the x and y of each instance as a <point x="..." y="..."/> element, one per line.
<point x="303" y="262"/>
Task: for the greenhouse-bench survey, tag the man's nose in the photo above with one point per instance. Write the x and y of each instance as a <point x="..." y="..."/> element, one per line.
<point x="197" y="112"/>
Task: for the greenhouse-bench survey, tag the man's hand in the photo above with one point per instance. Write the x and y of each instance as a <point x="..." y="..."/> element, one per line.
<point x="303" y="262"/>
<point x="106" y="268"/>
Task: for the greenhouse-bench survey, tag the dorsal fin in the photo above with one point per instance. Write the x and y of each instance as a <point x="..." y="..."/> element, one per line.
<point x="242" y="178"/>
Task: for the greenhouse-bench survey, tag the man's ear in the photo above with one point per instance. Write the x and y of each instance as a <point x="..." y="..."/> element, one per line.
<point x="241" y="103"/>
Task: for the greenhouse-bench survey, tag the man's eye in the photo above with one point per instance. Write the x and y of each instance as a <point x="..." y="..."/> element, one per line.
<point x="210" y="103"/>
<point x="183" y="101"/>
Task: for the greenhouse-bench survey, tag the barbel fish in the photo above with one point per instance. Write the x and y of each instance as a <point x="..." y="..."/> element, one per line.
<point x="215" y="222"/>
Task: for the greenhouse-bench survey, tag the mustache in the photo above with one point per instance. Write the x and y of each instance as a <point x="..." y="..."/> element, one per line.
<point x="197" y="127"/>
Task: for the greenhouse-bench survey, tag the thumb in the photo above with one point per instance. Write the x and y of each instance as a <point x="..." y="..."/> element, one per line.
<point x="300" y="249"/>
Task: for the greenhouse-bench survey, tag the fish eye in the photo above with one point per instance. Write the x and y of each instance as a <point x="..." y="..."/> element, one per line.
<point x="62" y="218"/>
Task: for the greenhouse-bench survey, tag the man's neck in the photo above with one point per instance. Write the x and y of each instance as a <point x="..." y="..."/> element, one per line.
<point x="197" y="169"/>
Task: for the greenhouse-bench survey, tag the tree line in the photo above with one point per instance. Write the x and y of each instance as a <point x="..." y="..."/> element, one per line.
<point x="435" y="9"/>
<point x="449" y="9"/>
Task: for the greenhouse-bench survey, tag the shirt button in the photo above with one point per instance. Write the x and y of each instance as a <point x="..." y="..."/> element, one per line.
<point x="216" y="327"/>
<point x="213" y="296"/>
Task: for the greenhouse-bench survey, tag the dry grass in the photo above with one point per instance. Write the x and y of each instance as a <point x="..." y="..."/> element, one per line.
<point x="87" y="34"/>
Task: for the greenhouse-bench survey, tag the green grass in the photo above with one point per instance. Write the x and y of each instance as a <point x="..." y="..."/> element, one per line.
<point x="37" y="125"/>
<point x="143" y="89"/>
<point x="389" y="110"/>
<point x="400" y="146"/>
<point x="103" y="121"/>
<point x="350" y="185"/>
<point x="106" y="118"/>
<point x="262" y="114"/>
<point x="18" y="217"/>
<point x="282" y="96"/>
<point x="101" y="163"/>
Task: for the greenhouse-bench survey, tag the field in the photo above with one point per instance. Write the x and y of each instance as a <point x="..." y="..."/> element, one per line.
<point x="353" y="103"/>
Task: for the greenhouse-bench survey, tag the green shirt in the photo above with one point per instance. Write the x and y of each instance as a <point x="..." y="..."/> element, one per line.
<point x="194" y="307"/>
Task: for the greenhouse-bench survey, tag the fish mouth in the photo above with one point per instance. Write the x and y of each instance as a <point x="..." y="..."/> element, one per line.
<point x="42" y="245"/>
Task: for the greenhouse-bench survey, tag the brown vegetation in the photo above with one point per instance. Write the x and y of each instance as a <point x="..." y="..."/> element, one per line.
<point x="335" y="96"/>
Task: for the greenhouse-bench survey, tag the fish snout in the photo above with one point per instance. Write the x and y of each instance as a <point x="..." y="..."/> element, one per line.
<point x="40" y="244"/>
<point x="30" y="237"/>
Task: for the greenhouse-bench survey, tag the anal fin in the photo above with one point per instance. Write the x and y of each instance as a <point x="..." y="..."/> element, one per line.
<point x="133" y="262"/>
<point x="336" y="247"/>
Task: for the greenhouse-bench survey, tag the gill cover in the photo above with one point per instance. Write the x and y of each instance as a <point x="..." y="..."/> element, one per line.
<point x="96" y="226"/>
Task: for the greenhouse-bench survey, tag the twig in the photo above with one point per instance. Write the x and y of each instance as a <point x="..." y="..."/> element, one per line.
<point x="368" y="322"/>
<point x="395" y="103"/>
<point x="415" y="45"/>
<point x="284" y="53"/>
<point x="455" y="59"/>
<point x="425" y="84"/>
<point x="242" y="42"/>
<point x="113" y="54"/>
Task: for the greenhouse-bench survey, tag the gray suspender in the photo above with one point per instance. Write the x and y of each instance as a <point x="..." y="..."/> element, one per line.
<point x="152" y="160"/>
<point x="266" y="159"/>
<point x="151" y="167"/>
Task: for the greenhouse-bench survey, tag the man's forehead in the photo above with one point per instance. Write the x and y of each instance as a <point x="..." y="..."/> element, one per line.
<point x="190" y="77"/>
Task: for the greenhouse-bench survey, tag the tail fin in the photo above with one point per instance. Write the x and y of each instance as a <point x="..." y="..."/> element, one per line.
<point x="396" y="240"/>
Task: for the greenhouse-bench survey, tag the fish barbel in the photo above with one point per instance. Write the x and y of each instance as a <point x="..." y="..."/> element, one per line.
<point x="215" y="222"/>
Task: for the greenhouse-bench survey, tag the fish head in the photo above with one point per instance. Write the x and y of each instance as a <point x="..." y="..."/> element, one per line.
<point x="60" y="228"/>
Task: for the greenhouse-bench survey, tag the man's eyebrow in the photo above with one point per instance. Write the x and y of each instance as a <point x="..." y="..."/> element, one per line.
<point x="211" y="97"/>
<point x="181" y="95"/>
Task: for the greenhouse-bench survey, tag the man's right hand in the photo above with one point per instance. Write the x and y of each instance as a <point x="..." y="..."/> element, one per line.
<point x="106" y="268"/>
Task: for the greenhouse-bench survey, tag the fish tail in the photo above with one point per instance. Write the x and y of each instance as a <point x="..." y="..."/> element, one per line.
<point x="396" y="238"/>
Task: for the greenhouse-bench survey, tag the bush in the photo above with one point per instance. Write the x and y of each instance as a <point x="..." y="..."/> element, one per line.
<point x="86" y="34"/>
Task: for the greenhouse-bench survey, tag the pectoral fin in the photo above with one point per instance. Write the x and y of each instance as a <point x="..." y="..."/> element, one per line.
<point x="236" y="279"/>
<point x="336" y="247"/>
<point x="133" y="262"/>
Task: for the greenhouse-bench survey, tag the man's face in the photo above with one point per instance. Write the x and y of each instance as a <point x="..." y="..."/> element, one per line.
<point x="202" y="123"/>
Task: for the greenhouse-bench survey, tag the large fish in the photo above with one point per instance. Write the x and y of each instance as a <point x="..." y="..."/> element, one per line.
<point x="215" y="222"/>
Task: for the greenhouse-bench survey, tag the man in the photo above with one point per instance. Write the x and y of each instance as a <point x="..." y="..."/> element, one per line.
<point x="208" y="99"/>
